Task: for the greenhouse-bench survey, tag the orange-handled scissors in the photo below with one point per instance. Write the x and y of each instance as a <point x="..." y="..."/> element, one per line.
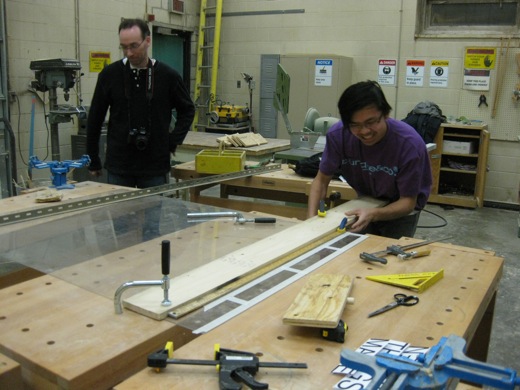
<point x="400" y="300"/>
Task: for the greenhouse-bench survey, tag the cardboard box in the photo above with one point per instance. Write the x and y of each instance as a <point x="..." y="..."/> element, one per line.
<point x="459" y="147"/>
<point x="215" y="161"/>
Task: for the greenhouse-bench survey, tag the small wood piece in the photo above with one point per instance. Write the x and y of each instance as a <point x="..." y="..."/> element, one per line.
<point x="321" y="302"/>
<point x="242" y="140"/>
<point x="48" y="195"/>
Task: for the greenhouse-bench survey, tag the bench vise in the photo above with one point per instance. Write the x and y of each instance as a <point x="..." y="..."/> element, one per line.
<point x="59" y="169"/>
<point x="432" y="370"/>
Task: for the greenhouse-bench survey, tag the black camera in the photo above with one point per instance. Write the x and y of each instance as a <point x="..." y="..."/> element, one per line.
<point x="138" y="137"/>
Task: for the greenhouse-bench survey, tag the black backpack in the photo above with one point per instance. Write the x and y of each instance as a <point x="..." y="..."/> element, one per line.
<point x="426" y="118"/>
<point x="309" y="167"/>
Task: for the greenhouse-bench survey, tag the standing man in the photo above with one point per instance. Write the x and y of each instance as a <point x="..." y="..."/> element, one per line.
<point x="380" y="157"/>
<point x="141" y="94"/>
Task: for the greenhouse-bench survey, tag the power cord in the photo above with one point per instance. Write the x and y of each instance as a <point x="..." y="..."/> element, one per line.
<point x="444" y="223"/>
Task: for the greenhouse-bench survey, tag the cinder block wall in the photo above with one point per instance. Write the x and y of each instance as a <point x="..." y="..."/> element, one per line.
<point x="364" y="30"/>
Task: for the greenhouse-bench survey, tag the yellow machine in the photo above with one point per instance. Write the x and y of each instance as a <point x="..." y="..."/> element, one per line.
<point x="229" y="115"/>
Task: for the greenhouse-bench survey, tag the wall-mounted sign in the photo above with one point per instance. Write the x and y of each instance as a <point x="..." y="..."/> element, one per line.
<point x="323" y="73"/>
<point x="476" y="79"/>
<point x="387" y="72"/>
<point x="415" y="73"/>
<point x="480" y="57"/>
<point x="439" y="73"/>
<point x="98" y="60"/>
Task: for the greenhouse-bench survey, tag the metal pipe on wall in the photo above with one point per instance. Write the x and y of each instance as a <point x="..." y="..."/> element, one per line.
<point x="396" y="95"/>
<point x="77" y="47"/>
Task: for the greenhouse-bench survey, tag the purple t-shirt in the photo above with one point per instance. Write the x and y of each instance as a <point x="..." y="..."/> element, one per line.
<point x="396" y="166"/>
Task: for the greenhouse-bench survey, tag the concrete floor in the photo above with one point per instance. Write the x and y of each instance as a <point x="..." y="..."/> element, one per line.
<point x="494" y="230"/>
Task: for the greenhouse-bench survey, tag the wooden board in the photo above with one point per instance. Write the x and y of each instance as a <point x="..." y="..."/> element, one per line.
<point x="221" y="271"/>
<point x="455" y="305"/>
<point x="65" y="337"/>
<point x="321" y="302"/>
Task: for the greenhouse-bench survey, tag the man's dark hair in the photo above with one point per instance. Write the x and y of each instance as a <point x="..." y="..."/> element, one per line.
<point x="361" y="95"/>
<point x="129" y="23"/>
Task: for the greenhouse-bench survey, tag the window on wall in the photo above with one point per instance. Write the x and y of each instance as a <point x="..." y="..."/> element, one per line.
<point x="467" y="18"/>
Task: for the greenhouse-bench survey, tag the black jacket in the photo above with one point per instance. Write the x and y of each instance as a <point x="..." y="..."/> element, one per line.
<point x="131" y="108"/>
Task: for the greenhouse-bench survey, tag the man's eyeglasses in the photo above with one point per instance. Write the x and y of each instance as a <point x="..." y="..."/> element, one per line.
<point x="132" y="46"/>
<point x="369" y="124"/>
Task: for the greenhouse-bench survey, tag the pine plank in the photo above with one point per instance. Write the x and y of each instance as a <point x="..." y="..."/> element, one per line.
<point x="321" y="302"/>
<point x="211" y="276"/>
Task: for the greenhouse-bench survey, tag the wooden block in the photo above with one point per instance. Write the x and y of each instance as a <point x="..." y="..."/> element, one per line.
<point x="10" y="374"/>
<point x="321" y="302"/>
<point x="220" y="272"/>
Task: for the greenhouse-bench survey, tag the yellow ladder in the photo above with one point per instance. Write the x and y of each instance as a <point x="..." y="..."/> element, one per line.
<point x="207" y="61"/>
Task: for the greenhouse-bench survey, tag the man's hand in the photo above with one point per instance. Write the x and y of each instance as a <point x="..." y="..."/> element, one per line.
<point x="363" y="218"/>
<point x="401" y="207"/>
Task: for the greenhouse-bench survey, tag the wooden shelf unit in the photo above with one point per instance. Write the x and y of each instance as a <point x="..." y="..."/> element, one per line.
<point x="459" y="178"/>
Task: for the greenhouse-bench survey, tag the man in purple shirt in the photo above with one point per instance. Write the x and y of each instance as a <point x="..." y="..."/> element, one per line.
<point x="379" y="157"/>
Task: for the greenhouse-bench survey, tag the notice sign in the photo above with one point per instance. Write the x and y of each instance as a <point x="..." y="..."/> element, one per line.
<point x="98" y="60"/>
<point x="476" y="79"/>
<point x="415" y="73"/>
<point x="323" y="73"/>
<point x="387" y="72"/>
<point x="480" y="57"/>
<point x="439" y="73"/>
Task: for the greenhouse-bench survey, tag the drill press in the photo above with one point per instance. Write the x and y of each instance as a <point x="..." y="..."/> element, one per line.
<point x="50" y="75"/>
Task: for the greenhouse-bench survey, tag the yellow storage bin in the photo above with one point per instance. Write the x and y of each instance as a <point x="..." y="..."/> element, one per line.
<point x="217" y="161"/>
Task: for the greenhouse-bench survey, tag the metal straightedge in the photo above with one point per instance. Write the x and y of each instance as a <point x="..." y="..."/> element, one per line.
<point x="164" y="189"/>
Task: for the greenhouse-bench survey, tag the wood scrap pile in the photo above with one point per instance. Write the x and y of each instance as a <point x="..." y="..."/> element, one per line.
<point x="242" y="140"/>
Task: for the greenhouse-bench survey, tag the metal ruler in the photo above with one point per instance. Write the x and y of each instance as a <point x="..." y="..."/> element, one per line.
<point x="164" y="189"/>
<point x="253" y="292"/>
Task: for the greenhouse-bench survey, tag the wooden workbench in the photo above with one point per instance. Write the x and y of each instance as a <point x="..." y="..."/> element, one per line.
<point x="196" y="141"/>
<point x="285" y="186"/>
<point x="27" y="201"/>
<point x="461" y="303"/>
<point x="62" y="328"/>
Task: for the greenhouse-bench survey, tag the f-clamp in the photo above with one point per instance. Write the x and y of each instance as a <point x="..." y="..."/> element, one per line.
<point x="233" y="366"/>
<point x="398" y="250"/>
